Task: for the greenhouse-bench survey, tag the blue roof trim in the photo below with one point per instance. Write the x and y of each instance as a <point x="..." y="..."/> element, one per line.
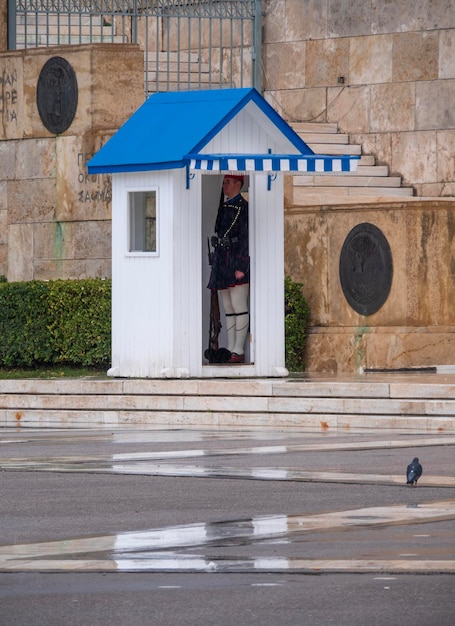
<point x="169" y="126"/>
<point x="302" y="163"/>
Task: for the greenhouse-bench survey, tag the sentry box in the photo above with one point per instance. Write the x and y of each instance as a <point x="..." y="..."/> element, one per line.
<point x="167" y="164"/>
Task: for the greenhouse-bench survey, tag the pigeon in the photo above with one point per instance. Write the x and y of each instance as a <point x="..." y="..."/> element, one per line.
<point x="413" y="472"/>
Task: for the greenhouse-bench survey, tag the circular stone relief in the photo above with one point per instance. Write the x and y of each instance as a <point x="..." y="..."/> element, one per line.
<point x="56" y="95"/>
<point x="366" y="268"/>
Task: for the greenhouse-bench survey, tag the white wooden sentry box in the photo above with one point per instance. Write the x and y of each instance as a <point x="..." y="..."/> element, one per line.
<point x="167" y="163"/>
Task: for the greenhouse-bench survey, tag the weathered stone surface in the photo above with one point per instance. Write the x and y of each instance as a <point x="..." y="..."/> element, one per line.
<point x="286" y="65"/>
<point x="275" y="25"/>
<point x="31" y="200"/>
<point x="35" y="158"/>
<point x="347" y="18"/>
<point x="3" y="196"/>
<point x="11" y="96"/>
<point x="447" y="54"/>
<point x="3" y="259"/>
<point x="3" y="24"/>
<point x="305" y="20"/>
<point x="392" y="107"/>
<point x="44" y="177"/>
<point x="414" y="156"/>
<point x="434" y="190"/>
<point x="20" y="252"/>
<point x="419" y="310"/>
<point x="402" y="15"/>
<point x="117" y="85"/>
<point x="3" y="226"/>
<point x="445" y="141"/>
<point x="370" y="60"/>
<point x="7" y="160"/>
<point x="110" y="85"/>
<point x="79" y="195"/>
<point x="306" y="255"/>
<point x="348" y="107"/>
<point x="430" y="244"/>
<point x="415" y="56"/>
<point x="434" y="104"/>
<point x="377" y="144"/>
<point x="72" y="240"/>
<point x="72" y="269"/>
<point x="326" y="60"/>
<point x="337" y="350"/>
<point x="300" y="104"/>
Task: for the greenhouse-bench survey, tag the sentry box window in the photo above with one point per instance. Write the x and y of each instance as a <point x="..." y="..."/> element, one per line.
<point x="143" y="221"/>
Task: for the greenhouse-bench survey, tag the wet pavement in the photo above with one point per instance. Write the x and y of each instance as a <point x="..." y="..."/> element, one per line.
<point x="226" y="513"/>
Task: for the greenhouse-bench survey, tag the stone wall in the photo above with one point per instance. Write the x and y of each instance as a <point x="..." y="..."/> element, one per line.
<point x="384" y="71"/>
<point x="415" y="327"/>
<point x="3" y="23"/>
<point x="54" y="218"/>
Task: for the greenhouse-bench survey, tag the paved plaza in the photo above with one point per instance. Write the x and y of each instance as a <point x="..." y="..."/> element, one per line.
<point x="186" y="526"/>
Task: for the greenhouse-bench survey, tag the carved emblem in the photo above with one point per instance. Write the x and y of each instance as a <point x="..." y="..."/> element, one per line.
<point x="366" y="269"/>
<point x="56" y="95"/>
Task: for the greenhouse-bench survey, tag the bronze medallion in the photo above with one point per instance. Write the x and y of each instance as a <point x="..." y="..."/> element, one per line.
<point x="366" y="268"/>
<point x="56" y="95"/>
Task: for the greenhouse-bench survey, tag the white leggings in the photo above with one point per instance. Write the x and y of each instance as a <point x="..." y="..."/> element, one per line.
<point x="235" y="304"/>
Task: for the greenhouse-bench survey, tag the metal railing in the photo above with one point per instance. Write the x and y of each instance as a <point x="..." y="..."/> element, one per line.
<point x="188" y="44"/>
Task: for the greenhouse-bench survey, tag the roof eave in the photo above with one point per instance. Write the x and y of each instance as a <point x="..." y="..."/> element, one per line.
<point x="134" y="167"/>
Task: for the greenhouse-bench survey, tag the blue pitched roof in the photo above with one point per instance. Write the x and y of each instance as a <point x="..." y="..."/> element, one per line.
<point x="170" y="126"/>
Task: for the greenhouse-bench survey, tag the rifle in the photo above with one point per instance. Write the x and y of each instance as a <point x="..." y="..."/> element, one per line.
<point x="215" y="319"/>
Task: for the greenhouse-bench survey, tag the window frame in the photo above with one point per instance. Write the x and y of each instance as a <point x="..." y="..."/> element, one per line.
<point x="129" y="221"/>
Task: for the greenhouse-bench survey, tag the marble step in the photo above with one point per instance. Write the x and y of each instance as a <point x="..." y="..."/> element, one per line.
<point x="370" y="181"/>
<point x="348" y="180"/>
<point x="305" y="196"/>
<point x="240" y="403"/>
<point x="334" y="148"/>
<point x="315" y="127"/>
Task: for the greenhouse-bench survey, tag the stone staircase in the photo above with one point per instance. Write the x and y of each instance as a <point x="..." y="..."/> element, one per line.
<point x="370" y="183"/>
<point x="416" y="403"/>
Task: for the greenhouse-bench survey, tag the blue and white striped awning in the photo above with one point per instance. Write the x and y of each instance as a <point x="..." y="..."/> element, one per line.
<point x="267" y="163"/>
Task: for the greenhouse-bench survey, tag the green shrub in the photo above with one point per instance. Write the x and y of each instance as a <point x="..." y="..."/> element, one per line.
<point x="62" y="321"/>
<point x="81" y="321"/>
<point x="24" y="321"/>
<point x="68" y="322"/>
<point x="295" y="323"/>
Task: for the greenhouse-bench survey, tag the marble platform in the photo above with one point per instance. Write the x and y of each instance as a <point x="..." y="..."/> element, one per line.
<point x="417" y="402"/>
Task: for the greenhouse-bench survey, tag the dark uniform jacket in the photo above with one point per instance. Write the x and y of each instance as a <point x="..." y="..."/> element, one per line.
<point x="230" y="244"/>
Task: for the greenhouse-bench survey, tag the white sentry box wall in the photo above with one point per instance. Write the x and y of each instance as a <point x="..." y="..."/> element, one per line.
<point x="158" y="299"/>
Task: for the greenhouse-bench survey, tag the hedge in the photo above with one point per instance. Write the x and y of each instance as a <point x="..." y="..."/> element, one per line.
<point x="68" y="322"/>
<point x="296" y="315"/>
<point x="55" y="322"/>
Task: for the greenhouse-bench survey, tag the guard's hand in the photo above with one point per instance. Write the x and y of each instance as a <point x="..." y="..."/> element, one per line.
<point x="239" y="275"/>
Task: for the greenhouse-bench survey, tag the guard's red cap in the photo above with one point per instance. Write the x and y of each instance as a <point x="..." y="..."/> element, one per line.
<point x="238" y="177"/>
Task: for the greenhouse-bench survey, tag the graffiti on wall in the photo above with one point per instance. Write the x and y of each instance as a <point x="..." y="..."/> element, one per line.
<point x="8" y="96"/>
<point x="92" y="187"/>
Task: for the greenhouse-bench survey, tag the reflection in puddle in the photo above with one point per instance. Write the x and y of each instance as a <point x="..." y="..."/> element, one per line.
<point x="154" y="550"/>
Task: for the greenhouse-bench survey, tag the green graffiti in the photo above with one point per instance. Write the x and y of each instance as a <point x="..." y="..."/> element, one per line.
<point x="359" y="349"/>
<point x="58" y="242"/>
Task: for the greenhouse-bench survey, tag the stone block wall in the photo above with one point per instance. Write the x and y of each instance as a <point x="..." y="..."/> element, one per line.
<point x="55" y="220"/>
<point x="383" y="71"/>
<point x="415" y="327"/>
